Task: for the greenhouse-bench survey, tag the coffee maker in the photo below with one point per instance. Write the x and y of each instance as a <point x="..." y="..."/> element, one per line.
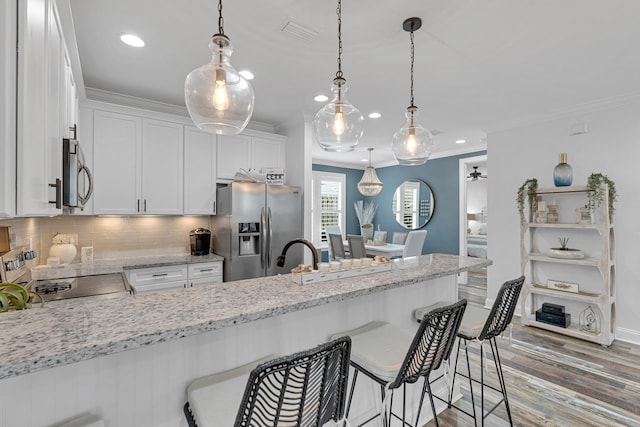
<point x="200" y="241"/>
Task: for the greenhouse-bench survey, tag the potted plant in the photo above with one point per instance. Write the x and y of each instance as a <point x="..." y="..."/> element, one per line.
<point x="594" y="195"/>
<point x="529" y="188"/>
<point x="16" y="297"/>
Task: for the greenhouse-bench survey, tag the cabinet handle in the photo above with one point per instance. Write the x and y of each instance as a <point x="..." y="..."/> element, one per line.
<point x="58" y="187"/>
<point x="138" y="208"/>
<point x="145" y="205"/>
<point x="214" y="206"/>
<point x="205" y="269"/>
<point x="159" y="274"/>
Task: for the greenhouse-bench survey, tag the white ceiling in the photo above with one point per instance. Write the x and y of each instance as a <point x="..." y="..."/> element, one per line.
<point x="480" y="66"/>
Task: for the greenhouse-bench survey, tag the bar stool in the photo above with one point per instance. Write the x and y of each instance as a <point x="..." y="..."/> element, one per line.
<point x="304" y="389"/>
<point x="392" y="357"/>
<point x="482" y="325"/>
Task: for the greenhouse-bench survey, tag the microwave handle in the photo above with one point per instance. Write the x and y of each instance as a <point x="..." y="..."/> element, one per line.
<point x="83" y="199"/>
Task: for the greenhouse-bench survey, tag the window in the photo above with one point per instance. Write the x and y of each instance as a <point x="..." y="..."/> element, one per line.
<point x="405" y="204"/>
<point x="327" y="204"/>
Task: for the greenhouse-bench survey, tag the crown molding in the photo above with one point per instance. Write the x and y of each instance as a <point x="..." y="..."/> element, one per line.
<point x="571" y="111"/>
<point x="100" y="95"/>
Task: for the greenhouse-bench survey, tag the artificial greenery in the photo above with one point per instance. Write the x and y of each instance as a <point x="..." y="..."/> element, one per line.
<point x="530" y="188"/>
<point x="594" y="196"/>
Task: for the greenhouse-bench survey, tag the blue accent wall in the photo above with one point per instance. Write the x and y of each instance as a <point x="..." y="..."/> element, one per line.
<point x="440" y="174"/>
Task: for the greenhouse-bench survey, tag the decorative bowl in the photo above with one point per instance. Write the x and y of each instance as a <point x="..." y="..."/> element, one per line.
<point x="566" y="253"/>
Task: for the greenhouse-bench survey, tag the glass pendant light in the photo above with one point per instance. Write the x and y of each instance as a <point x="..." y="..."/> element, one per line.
<point x="219" y="99"/>
<point x="338" y="125"/>
<point x="412" y="144"/>
<point x="370" y="184"/>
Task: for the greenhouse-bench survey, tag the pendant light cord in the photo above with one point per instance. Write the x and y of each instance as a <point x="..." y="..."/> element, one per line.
<point x="339" y="13"/>
<point x="412" y="57"/>
<point x="220" y="18"/>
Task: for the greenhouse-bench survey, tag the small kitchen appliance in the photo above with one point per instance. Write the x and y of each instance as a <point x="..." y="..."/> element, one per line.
<point x="77" y="181"/>
<point x="200" y="241"/>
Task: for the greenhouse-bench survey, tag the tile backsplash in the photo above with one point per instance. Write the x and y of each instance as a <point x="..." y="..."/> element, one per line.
<point x="110" y="237"/>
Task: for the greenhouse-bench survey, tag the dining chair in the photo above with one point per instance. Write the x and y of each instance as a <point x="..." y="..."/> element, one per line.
<point x="394" y="357"/>
<point x="337" y="246"/>
<point x="331" y="229"/>
<point x="304" y="389"/>
<point x="356" y="246"/>
<point x="399" y="238"/>
<point x="414" y="242"/>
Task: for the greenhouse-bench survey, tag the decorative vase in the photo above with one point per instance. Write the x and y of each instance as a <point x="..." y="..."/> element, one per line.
<point x="366" y="230"/>
<point x="562" y="173"/>
<point x="66" y="252"/>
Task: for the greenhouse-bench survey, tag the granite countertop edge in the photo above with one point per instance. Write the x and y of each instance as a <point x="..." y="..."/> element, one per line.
<point x="141" y="320"/>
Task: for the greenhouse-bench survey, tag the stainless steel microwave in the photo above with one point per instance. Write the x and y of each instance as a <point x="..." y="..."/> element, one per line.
<point x="77" y="181"/>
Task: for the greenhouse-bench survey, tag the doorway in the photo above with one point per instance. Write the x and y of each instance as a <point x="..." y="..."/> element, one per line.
<point x="473" y="224"/>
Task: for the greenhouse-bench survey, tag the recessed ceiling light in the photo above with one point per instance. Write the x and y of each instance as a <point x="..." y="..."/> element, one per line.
<point x="246" y="74"/>
<point x="375" y="115"/>
<point x="363" y="160"/>
<point x="321" y="98"/>
<point x="461" y="141"/>
<point x="132" y="40"/>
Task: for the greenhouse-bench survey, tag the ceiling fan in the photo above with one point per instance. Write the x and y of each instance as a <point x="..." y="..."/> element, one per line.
<point x="475" y="174"/>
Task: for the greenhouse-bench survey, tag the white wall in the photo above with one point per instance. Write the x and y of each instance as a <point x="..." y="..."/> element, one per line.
<point x="612" y="147"/>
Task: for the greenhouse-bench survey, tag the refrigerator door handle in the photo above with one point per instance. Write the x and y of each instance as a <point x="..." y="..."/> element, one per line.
<point x="269" y="242"/>
<point x="263" y="237"/>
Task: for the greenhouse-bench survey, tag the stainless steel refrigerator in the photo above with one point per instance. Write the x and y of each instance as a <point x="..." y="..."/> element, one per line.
<point x="254" y="222"/>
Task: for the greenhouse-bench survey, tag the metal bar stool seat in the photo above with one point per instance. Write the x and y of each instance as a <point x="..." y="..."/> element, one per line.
<point x="393" y="357"/>
<point x="305" y="389"/>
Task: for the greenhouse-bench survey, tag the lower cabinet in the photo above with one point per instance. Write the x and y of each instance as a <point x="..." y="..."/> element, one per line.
<point x="157" y="278"/>
<point x="205" y="273"/>
<point x="150" y="279"/>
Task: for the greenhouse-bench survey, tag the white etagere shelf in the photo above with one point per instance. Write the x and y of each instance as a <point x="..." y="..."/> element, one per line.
<point x="535" y="262"/>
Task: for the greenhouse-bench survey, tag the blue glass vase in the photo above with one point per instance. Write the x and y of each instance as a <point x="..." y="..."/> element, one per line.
<point x="562" y="173"/>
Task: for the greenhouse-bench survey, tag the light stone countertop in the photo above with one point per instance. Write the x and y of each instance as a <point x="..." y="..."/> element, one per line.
<point x="72" y="330"/>
<point x="42" y="272"/>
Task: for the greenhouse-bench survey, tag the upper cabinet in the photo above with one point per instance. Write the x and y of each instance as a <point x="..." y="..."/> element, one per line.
<point x="138" y="164"/>
<point x="47" y="108"/>
<point x="250" y="150"/>
<point x="199" y="172"/>
<point x="8" y="33"/>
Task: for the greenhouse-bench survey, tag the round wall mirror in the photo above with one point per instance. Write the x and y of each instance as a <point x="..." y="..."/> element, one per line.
<point x="413" y="204"/>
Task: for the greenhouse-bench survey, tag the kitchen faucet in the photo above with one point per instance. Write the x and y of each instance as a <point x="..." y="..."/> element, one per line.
<point x="308" y="244"/>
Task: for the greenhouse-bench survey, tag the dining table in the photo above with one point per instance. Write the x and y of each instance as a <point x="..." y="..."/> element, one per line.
<point x="389" y="250"/>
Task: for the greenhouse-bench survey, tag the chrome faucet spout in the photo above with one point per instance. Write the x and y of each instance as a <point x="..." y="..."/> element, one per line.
<point x="314" y="252"/>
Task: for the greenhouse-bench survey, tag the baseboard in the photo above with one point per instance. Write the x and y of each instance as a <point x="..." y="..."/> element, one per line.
<point x="628" y="335"/>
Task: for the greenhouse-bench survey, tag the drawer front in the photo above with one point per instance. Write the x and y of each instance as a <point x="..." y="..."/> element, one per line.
<point x="139" y="289"/>
<point x="205" y="282"/>
<point x="205" y="270"/>
<point x="156" y="275"/>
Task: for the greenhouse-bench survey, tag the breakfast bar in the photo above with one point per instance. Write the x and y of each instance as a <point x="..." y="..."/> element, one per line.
<point x="129" y="359"/>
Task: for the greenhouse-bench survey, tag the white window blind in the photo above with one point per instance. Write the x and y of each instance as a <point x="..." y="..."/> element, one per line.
<point x="327" y="203"/>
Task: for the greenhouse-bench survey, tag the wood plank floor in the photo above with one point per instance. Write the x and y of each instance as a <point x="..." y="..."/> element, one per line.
<point x="554" y="380"/>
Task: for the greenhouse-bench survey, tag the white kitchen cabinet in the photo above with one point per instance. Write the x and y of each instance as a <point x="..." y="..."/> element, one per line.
<point x="232" y="154"/>
<point x="8" y="34"/>
<point x="251" y="150"/>
<point x="157" y="278"/>
<point x="137" y="165"/>
<point x="116" y="155"/>
<point x="162" y="165"/>
<point x="592" y="300"/>
<point x="199" y="172"/>
<point x="205" y="273"/>
<point x="47" y="107"/>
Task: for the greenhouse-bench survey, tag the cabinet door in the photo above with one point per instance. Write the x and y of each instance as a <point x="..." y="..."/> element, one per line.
<point x="162" y="158"/>
<point x="199" y="172"/>
<point x="232" y="154"/>
<point x="7" y="108"/>
<point x="117" y="139"/>
<point x="266" y="153"/>
<point x="39" y="122"/>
